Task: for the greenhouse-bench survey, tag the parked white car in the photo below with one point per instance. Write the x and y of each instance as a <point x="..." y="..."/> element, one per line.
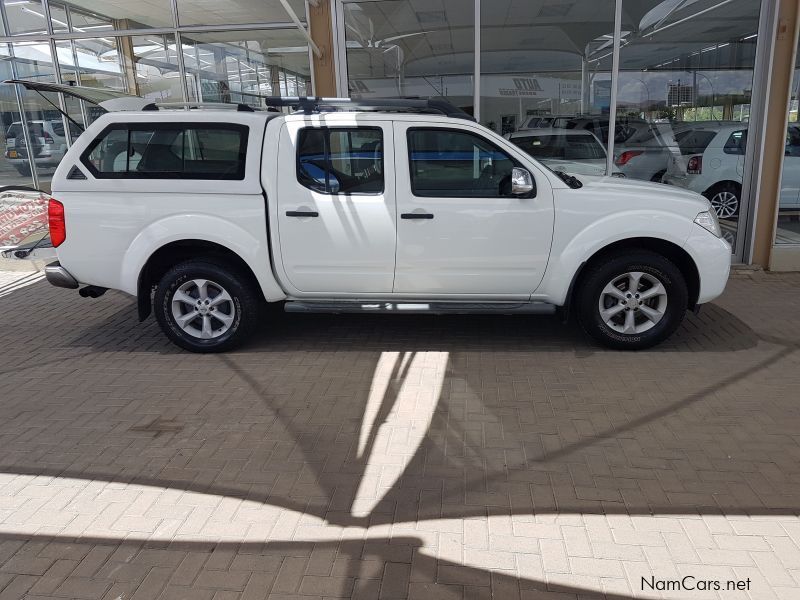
<point x="575" y="151"/>
<point x="711" y="162"/>
<point x="400" y="211"/>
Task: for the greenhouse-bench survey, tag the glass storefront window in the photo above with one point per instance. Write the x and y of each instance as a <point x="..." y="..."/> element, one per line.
<point x="228" y="12"/>
<point x="36" y="137"/>
<point x="94" y="17"/>
<point x="406" y="48"/>
<point x="788" y="230"/>
<point x="684" y="89"/>
<point x="24" y="17"/>
<point x="245" y="66"/>
<point x="14" y="166"/>
<point x="546" y="79"/>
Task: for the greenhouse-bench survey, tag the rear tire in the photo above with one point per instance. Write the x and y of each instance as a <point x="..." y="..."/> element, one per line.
<point x="632" y="299"/>
<point x="204" y="306"/>
<point x="725" y="198"/>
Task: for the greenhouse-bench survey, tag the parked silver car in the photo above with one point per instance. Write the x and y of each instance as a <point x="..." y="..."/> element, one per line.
<point x="48" y="143"/>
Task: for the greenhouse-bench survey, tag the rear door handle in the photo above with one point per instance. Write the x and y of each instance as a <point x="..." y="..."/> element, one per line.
<point x="415" y="215"/>
<point x="302" y="213"/>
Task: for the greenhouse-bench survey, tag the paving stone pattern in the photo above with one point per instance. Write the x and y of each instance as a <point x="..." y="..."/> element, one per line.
<point x="380" y="457"/>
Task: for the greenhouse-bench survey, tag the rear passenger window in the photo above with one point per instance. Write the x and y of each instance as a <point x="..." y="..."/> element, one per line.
<point x="341" y="160"/>
<point x="169" y="151"/>
<point x="736" y="142"/>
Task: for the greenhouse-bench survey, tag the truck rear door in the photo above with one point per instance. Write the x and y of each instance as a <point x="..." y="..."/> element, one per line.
<point x="336" y="206"/>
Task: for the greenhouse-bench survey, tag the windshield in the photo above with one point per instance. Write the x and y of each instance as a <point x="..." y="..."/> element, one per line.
<point x="561" y="147"/>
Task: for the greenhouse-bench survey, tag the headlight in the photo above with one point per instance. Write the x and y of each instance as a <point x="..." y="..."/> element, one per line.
<point x="708" y="221"/>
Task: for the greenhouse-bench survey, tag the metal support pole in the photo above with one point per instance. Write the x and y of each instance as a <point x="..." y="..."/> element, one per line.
<point x="612" y="109"/>
<point x="181" y="66"/>
<point x="584" y="84"/>
<point x="476" y="88"/>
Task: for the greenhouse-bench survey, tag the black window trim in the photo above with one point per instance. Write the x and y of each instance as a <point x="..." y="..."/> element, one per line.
<point x="735" y="149"/>
<point x="327" y="145"/>
<point x="514" y="162"/>
<point x="238" y="175"/>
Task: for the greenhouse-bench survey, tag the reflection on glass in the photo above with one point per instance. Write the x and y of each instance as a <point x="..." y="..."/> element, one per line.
<point x="788" y="231"/>
<point x="25" y="17"/>
<point x="685" y="82"/>
<point x="14" y="165"/>
<point x="94" y="17"/>
<point x="546" y="79"/>
<point x="36" y="138"/>
<point x="230" y="12"/>
<point x="570" y="150"/>
<point x="397" y="48"/>
<point x="243" y="67"/>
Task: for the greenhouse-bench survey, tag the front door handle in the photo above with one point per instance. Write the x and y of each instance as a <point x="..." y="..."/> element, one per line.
<point x="416" y="215"/>
<point x="302" y="213"/>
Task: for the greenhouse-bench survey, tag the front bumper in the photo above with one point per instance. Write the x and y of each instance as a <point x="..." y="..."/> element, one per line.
<point x="59" y="276"/>
<point x="712" y="256"/>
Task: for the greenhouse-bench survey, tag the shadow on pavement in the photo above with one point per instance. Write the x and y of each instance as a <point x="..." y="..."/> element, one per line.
<point x="330" y="417"/>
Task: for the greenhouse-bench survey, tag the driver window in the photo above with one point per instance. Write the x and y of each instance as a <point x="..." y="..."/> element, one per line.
<point x="457" y="164"/>
<point x="339" y="160"/>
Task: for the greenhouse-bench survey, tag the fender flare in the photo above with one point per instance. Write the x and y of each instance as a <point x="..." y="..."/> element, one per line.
<point x="567" y="263"/>
<point x="254" y="252"/>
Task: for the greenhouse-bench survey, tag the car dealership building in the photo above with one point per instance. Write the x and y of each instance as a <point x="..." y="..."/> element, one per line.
<point x="697" y="93"/>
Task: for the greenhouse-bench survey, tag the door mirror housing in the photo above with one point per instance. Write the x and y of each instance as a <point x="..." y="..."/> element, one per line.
<point x="521" y="182"/>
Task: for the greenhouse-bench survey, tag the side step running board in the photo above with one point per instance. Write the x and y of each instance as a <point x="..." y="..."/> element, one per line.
<point x="431" y="308"/>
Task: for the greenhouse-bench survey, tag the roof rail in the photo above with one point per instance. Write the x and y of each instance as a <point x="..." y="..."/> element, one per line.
<point x="315" y="104"/>
<point x="191" y="105"/>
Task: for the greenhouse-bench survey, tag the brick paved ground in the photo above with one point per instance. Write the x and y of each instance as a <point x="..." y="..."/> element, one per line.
<point x="393" y="457"/>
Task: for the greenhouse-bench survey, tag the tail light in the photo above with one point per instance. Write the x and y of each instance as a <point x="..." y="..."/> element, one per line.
<point x="48" y="139"/>
<point x="623" y="158"/>
<point x="56" y="223"/>
<point x="695" y="165"/>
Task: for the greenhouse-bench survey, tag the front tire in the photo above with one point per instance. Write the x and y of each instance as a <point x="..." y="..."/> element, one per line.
<point x="632" y="300"/>
<point x="203" y="306"/>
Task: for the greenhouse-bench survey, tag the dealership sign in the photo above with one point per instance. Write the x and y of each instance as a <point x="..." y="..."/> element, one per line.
<point x="492" y="86"/>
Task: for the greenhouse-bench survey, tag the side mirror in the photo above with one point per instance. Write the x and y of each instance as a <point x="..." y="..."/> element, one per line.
<point x="521" y="182"/>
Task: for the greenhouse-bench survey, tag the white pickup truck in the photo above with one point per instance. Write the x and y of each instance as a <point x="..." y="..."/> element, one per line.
<point x="399" y="206"/>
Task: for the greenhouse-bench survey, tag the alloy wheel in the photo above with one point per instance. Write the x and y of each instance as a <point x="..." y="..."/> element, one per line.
<point x="203" y="309"/>
<point x="633" y="302"/>
<point x="725" y="204"/>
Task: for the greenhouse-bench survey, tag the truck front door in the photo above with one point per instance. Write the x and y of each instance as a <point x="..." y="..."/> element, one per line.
<point x="461" y="231"/>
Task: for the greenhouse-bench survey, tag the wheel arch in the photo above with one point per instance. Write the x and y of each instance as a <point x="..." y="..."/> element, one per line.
<point x="669" y="250"/>
<point x="168" y="255"/>
<point x="718" y="184"/>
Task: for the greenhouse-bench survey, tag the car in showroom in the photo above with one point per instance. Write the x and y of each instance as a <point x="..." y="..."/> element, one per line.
<point x="398" y="206"/>
<point x="645" y="154"/>
<point x="711" y="162"/>
<point x="48" y="143"/>
<point x="545" y="122"/>
<point x="575" y="151"/>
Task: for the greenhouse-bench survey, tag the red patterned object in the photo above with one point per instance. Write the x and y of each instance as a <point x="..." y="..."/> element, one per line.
<point x="22" y="214"/>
